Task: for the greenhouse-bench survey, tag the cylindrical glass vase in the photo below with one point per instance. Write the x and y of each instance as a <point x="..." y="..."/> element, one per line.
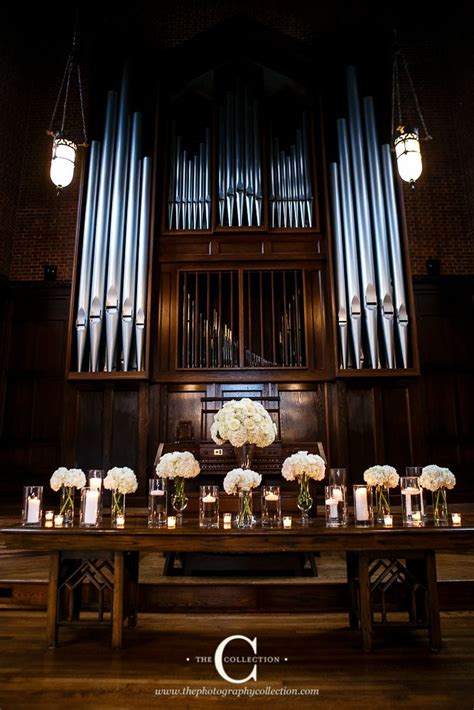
<point x="382" y="503"/>
<point x="117" y="510"/>
<point x="209" y="506"/>
<point x="304" y="500"/>
<point x="440" y="507"/>
<point x="66" y="505"/>
<point x="245" y="517"/>
<point x="335" y="505"/>
<point x="271" y="507"/>
<point x="417" y="471"/>
<point x="363" y="506"/>
<point x="411" y="501"/>
<point x="157" y="502"/>
<point x="90" y="508"/>
<point x="31" y="513"/>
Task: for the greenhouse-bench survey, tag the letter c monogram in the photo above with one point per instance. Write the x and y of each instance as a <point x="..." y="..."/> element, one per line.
<point x="220" y="651"/>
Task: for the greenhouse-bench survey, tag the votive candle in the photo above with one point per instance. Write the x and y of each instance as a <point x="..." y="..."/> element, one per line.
<point x="227" y="518"/>
<point x="49" y="516"/>
<point x="171" y="521"/>
<point x="287" y="521"/>
<point x="388" y="521"/>
<point x="456" y="518"/>
<point x="58" y="521"/>
<point x="120" y="521"/>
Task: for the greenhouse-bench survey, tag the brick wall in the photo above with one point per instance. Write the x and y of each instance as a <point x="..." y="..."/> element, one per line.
<point x="439" y="213"/>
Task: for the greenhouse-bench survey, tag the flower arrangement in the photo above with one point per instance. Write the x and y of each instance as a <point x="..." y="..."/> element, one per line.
<point x="240" y="479"/>
<point x="68" y="477"/>
<point x="434" y="477"/>
<point x="386" y="476"/>
<point x="178" y="464"/>
<point x="121" y="480"/>
<point x="243" y="422"/>
<point x="303" y="465"/>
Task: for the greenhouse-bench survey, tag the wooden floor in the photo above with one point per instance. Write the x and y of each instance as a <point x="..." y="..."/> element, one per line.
<point x="322" y="653"/>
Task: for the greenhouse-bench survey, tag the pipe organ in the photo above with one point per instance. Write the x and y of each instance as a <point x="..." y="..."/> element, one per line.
<point x="372" y="312"/>
<point x="242" y="279"/>
<point x="112" y="293"/>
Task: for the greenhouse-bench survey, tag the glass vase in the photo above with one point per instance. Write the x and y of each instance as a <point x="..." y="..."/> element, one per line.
<point x="440" y="507"/>
<point x="66" y="504"/>
<point x="382" y="503"/>
<point x="178" y="499"/>
<point x="32" y="505"/>
<point x="244" y="455"/>
<point x="117" y="510"/>
<point x="245" y="517"/>
<point x="304" y="500"/>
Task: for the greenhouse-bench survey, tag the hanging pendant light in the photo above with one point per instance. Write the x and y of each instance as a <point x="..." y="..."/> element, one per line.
<point x="64" y="149"/>
<point x="406" y="141"/>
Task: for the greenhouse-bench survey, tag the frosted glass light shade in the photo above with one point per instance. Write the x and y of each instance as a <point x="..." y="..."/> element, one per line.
<point x="62" y="162"/>
<point x="407" y="151"/>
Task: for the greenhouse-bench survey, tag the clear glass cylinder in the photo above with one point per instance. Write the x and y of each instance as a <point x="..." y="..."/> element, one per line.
<point x="304" y="500"/>
<point x="271" y="507"/>
<point x="66" y="504"/>
<point x="95" y="478"/>
<point x="209" y="506"/>
<point x="179" y="501"/>
<point x="411" y="501"/>
<point x="89" y="513"/>
<point x="440" y="507"/>
<point x="417" y="471"/>
<point x="335" y="505"/>
<point x="245" y="517"/>
<point x="32" y="512"/>
<point x="337" y="477"/>
<point x="117" y="510"/>
<point x="157" y="502"/>
<point x="382" y="503"/>
<point x="363" y="505"/>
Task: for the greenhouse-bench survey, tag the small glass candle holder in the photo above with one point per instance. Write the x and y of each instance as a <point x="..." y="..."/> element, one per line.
<point x="336" y="510"/>
<point x="411" y="501"/>
<point x="32" y="505"/>
<point x="209" y="506"/>
<point x="120" y="520"/>
<point x="456" y="518"/>
<point x="58" y="521"/>
<point x="227" y="518"/>
<point x="337" y="477"/>
<point x="271" y="507"/>
<point x="90" y="508"/>
<point x="171" y="521"/>
<point x="363" y="505"/>
<point x="157" y="502"/>
<point x="388" y="521"/>
<point x="287" y="522"/>
<point x="49" y="516"/>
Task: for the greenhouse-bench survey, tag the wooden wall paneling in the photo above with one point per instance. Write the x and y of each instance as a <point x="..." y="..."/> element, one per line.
<point x="91" y="421"/>
<point x="362" y="440"/>
<point x="184" y="405"/>
<point x="6" y="311"/>
<point x="165" y="330"/>
<point x="142" y="434"/>
<point x="396" y="422"/>
<point x="303" y="415"/>
<point x="121" y="444"/>
<point x="156" y="417"/>
<point x="336" y="424"/>
<point x="440" y="399"/>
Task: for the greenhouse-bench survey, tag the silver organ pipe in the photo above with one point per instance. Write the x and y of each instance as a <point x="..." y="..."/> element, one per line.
<point x="131" y="240"/>
<point x="87" y="253"/>
<point x="117" y="223"/>
<point x="366" y="261"/>
<point x="143" y="239"/>
<point x="96" y="313"/>
<point x="380" y="232"/>
<point x="350" y="244"/>
<point x="339" y="260"/>
<point x="400" y="301"/>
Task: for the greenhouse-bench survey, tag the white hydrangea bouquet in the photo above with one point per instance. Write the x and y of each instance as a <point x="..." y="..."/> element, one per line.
<point x="178" y="466"/>
<point x="382" y="478"/>
<point x="437" y="480"/>
<point x="241" y="422"/>
<point x="66" y="480"/>
<point x="303" y="467"/>
<point x="120" y="481"/>
<point x="242" y="481"/>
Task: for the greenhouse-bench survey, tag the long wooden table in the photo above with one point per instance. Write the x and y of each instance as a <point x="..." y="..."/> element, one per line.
<point x="373" y="554"/>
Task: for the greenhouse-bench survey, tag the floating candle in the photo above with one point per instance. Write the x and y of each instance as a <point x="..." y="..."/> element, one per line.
<point x="209" y="499"/>
<point x="272" y="497"/>
<point x="95" y="484"/>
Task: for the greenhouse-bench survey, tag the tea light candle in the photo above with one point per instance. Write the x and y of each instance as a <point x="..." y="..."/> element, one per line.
<point x="157" y="492"/>
<point x="287" y="522"/>
<point x="48" y="524"/>
<point x="58" y="521"/>
<point x="337" y="494"/>
<point x="456" y="518"/>
<point x="388" y="520"/>
<point x="49" y="516"/>
<point x="33" y="515"/>
<point x="271" y="497"/>
<point x="332" y="503"/>
<point x="120" y="521"/>
<point x="209" y="499"/>
<point x="227" y="518"/>
<point x="171" y="521"/>
<point x="227" y="526"/>
<point x="416" y="516"/>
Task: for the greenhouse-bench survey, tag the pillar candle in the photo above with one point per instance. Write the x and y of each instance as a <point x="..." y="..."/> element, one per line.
<point x="209" y="499"/>
<point x="361" y="507"/>
<point x="91" y="507"/>
<point x="33" y="515"/>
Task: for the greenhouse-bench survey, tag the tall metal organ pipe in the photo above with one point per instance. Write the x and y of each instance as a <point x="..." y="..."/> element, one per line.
<point x="143" y="237"/>
<point x="90" y="215"/>
<point x="117" y="223"/>
<point x="96" y="313"/>
<point x="340" y="271"/>
<point x="380" y="232"/>
<point x="401" y="309"/>
<point x="363" y="217"/>
<point x="350" y="243"/>
<point x="131" y="240"/>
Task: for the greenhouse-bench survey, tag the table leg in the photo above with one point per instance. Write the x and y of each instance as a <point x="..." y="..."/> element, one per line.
<point x="365" y="604"/>
<point x="433" y="601"/>
<point x="117" y="604"/>
<point x="52" y="612"/>
<point x="351" y="566"/>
